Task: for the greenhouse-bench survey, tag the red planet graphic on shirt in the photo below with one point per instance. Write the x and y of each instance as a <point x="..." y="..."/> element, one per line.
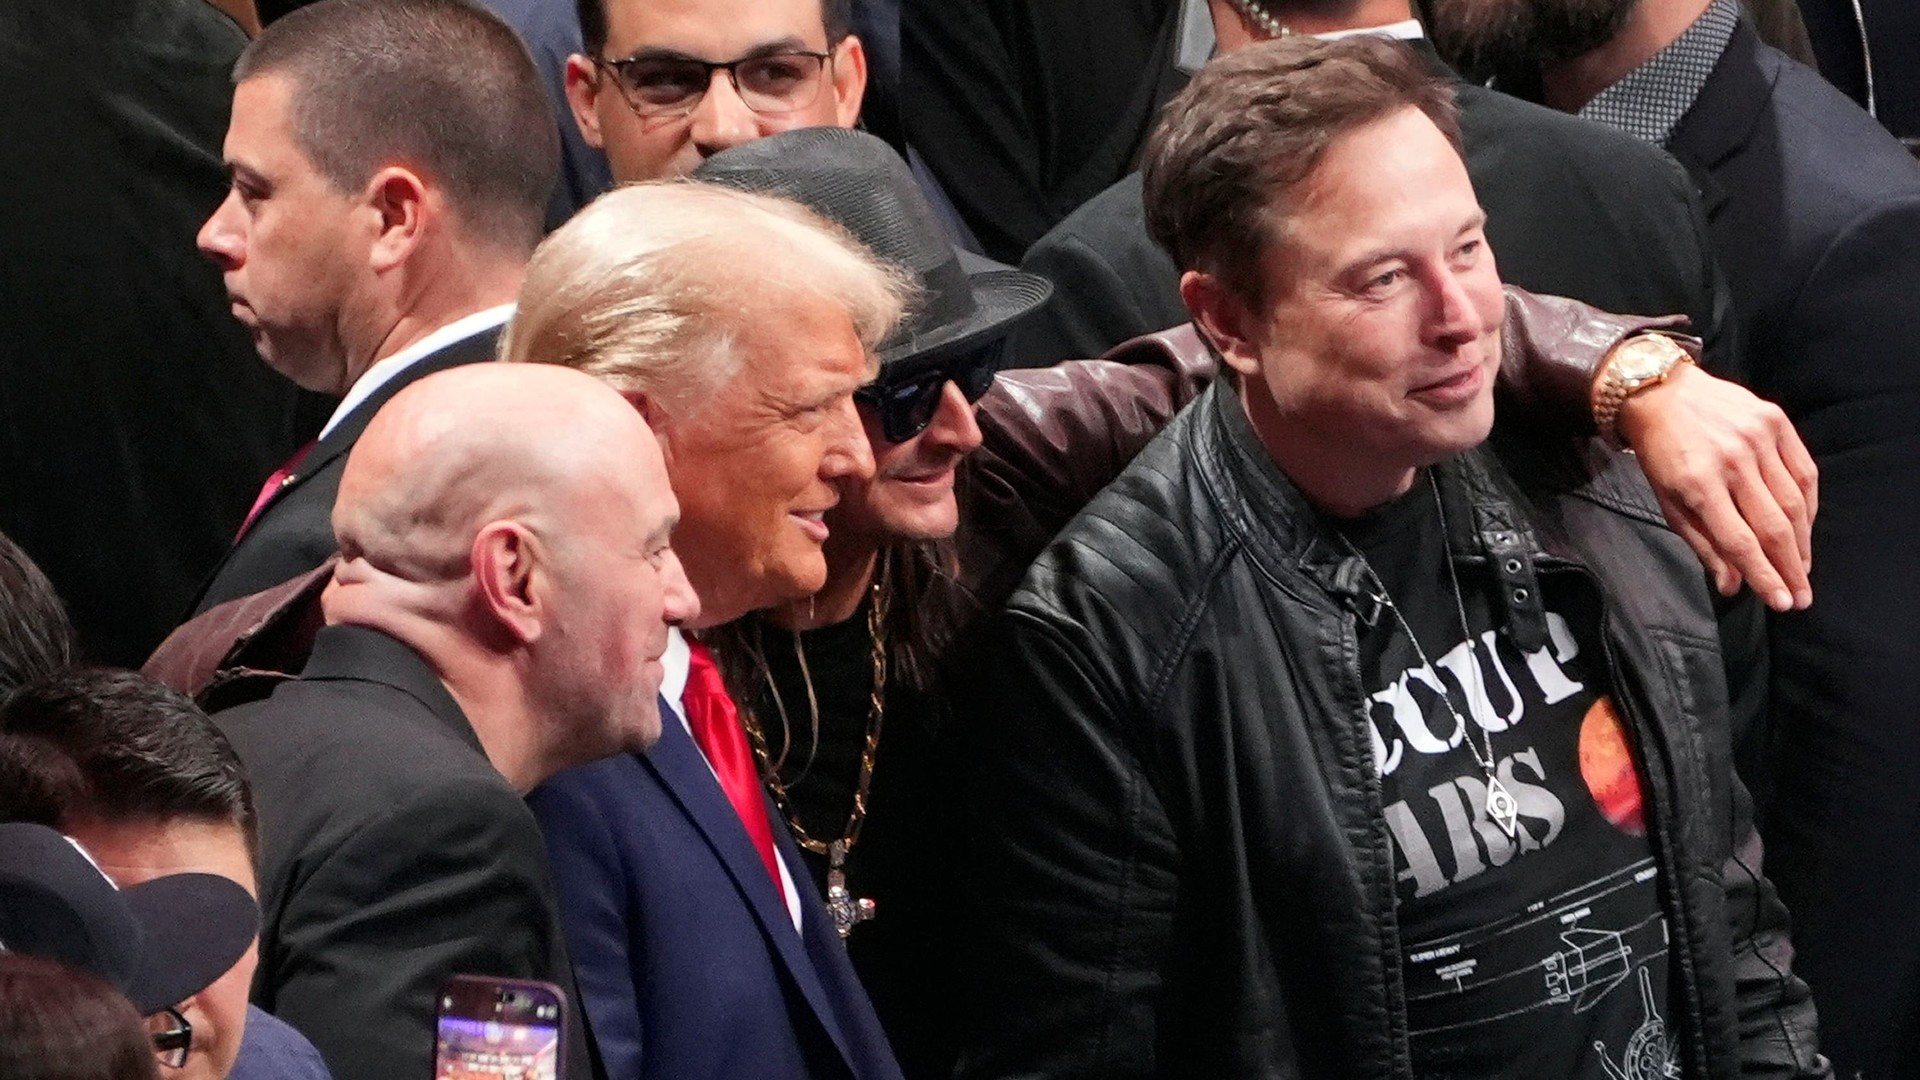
<point x="1606" y="764"/>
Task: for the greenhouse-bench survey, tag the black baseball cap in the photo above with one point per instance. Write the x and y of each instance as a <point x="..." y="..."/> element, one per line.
<point x="160" y="942"/>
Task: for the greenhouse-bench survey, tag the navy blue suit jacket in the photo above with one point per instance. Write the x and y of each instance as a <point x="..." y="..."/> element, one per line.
<point x="686" y="957"/>
<point x="1814" y="212"/>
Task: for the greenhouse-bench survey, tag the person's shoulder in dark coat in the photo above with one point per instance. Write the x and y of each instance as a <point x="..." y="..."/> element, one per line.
<point x="1576" y="208"/>
<point x="1808" y="196"/>
<point x="136" y="420"/>
<point x="392" y="855"/>
<point x="1111" y="282"/>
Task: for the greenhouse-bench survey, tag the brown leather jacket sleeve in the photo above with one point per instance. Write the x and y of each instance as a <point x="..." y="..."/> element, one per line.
<point x="1551" y="347"/>
<point x="1053" y="437"/>
<point x="237" y="651"/>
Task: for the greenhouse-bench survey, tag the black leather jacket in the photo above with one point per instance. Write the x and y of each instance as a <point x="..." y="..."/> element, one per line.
<point x="1173" y="860"/>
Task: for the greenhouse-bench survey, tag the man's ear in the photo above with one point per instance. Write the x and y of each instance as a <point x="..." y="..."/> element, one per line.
<point x="849" y="79"/>
<point x="656" y="419"/>
<point x="510" y="578"/>
<point x="583" y="96"/>
<point x="400" y="204"/>
<point x="1224" y="318"/>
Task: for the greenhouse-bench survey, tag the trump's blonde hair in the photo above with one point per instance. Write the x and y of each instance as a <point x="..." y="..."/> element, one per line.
<point x="650" y="287"/>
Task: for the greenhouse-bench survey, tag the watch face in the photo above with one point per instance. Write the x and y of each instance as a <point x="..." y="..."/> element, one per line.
<point x="1643" y="361"/>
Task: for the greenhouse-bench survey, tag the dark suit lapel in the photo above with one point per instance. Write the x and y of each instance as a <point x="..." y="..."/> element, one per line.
<point x="685" y="775"/>
<point x="467" y="350"/>
<point x="1723" y="116"/>
<point x="817" y="933"/>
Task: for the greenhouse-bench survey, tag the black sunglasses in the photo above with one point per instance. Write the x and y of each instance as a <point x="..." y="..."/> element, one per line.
<point x="906" y="405"/>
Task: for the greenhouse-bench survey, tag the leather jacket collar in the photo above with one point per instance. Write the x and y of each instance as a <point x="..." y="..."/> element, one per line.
<point x="1269" y="513"/>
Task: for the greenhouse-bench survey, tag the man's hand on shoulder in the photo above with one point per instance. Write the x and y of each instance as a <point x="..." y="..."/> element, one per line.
<point x="1734" y="479"/>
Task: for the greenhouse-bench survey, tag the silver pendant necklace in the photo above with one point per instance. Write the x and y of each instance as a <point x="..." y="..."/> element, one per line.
<point x="1501" y="806"/>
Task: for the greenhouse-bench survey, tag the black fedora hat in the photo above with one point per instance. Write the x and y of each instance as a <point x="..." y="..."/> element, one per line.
<point x="160" y="942"/>
<point x="859" y="182"/>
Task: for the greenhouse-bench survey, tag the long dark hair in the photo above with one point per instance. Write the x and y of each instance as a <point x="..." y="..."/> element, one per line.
<point x="920" y="618"/>
<point x="60" y="1024"/>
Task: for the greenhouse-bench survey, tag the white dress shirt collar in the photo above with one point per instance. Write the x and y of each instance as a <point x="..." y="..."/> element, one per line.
<point x="384" y="370"/>
<point x="675" y="664"/>
<point x="1194" y="40"/>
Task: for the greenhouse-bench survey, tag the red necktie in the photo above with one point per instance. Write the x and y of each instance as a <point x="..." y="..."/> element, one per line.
<point x="716" y="729"/>
<point x="280" y="476"/>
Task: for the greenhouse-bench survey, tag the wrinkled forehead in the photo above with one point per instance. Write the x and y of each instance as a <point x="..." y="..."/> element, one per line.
<point x="1389" y="185"/>
<point x="714" y="29"/>
<point x="797" y="350"/>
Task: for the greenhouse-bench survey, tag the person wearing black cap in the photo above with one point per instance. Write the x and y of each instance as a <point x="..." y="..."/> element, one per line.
<point x="936" y="538"/>
<point x="159" y="942"/>
<point x="144" y="782"/>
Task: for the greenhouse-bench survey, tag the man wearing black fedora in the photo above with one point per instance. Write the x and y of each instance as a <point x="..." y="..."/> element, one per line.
<point x="819" y="680"/>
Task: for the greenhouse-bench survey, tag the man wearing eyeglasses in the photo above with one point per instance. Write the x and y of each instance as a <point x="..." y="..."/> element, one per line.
<point x="666" y="84"/>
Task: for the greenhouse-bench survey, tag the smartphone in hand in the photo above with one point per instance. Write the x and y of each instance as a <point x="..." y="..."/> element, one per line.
<point x="498" y="1029"/>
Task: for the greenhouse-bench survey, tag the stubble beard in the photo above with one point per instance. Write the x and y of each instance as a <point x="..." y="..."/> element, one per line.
<point x="1514" y="39"/>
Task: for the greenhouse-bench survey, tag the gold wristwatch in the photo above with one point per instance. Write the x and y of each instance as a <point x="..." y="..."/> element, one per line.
<point x="1640" y="362"/>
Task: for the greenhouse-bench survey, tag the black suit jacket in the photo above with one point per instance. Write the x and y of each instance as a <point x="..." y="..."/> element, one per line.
<point x="1871" y="40"/>
<point x="294" y="533"/>
<point x="135" y="418"/>
<point x="1574" y="209"/>
<point x="1024" y="109"/>
<point x="1815" y="214"/>
<point x="392" y="855"/>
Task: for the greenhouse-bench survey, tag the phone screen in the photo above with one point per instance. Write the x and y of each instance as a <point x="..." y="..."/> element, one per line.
<point x="497" y="1030"/>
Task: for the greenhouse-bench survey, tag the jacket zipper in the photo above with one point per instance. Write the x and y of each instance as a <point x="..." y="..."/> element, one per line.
<point x="1400" y="1065"/>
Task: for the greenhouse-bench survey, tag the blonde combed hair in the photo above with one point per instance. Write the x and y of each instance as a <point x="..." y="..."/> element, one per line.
<point x="649" y="288"/>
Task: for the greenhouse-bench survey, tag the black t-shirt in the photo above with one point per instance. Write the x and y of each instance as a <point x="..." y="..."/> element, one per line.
<point x="821" y="768"/>
<point x="900" y="852"/>
<point x="1540" y="955"/>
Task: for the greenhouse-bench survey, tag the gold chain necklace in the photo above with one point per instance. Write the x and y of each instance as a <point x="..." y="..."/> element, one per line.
<point x="847" y="910"/>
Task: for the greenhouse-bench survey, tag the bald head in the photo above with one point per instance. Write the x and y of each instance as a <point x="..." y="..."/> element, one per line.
<point x="511" y="523"/>
<point x="481" y="443"/>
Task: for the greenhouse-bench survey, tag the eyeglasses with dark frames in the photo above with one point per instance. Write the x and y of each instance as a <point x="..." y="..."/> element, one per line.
<point x="907" y="405"/>
<point x="172" y="1037"/>
<point x="768" y="83"/>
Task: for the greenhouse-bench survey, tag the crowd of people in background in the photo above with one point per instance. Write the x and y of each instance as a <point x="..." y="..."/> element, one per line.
<point x="889" y="538"/>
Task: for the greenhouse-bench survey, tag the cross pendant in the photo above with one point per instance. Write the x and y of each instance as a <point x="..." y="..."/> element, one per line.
<point x="847" y="910"/>
<point x="1502" y="807"/>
